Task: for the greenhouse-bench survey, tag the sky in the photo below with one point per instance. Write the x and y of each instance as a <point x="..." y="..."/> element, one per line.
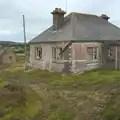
<point x="38" y="15"/>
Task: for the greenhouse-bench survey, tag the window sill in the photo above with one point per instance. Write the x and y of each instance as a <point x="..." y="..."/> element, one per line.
<point x="92" y="61"/>
<point x="57" y="60"/>
<point x="41" y="59"/>
<point x="61" y="61"/>
<point x="110" y="60"/>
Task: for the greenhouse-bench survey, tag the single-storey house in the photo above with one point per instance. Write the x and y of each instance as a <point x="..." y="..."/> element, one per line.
<point x="7" y="56"/>
<point x="76" y="43"/>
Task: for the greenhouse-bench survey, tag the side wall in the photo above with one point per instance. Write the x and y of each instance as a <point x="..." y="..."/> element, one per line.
<point x="80" y="59"/>
<point x="46" y="56"/>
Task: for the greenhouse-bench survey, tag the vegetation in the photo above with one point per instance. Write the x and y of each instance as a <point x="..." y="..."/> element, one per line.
<point x="18" y="47"/>
<point x="41" y="95"/>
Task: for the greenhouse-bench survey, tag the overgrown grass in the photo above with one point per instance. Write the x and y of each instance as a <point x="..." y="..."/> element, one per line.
<point x="21" y="104"/>
<point x="91" y="95"/>
<point x="112" y="109"/>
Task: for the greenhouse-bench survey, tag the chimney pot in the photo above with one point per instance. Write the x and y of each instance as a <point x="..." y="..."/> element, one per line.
<point x="59" y="9"/>
<point x="105" y="17"/>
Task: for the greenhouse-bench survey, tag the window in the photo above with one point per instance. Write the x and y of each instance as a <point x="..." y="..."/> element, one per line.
<point x="56" y="53"/>
<point x="60" y="55"/>
<point x="38" y="53"/>
<point x="92" y="53"/>
<point x="111" y="53"/>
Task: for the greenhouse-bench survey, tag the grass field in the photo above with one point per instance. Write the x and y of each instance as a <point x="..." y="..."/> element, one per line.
<point x="41" y="95"/>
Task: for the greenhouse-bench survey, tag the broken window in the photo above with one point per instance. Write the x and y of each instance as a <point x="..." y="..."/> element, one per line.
<point x="111" y="53"/>
<point x="56" y="53"/>
<point x="38" y="53"/>
<point x="59" y="53"/>
<point x="92" y="53"/>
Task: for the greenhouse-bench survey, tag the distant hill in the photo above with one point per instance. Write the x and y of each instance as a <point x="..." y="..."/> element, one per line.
<point x="9" y="43"/>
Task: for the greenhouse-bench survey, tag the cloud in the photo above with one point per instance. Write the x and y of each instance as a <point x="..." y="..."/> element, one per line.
<point x="5" y="32"/>
<point x="38" y="17"/>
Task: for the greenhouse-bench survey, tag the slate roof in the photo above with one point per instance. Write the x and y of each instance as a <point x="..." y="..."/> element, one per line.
<point x="80" y="27"/>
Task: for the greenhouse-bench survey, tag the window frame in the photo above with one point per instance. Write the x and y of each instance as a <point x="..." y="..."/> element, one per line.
<point x="56" y="53"/>
<point x="38" y="55"/>
<point x="94" y="53"/>
<point x="111" y="53"/>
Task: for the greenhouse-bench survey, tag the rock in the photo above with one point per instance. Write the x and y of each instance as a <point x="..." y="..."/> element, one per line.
<point x="2" y="113"/>
<point x="13" y="87"/>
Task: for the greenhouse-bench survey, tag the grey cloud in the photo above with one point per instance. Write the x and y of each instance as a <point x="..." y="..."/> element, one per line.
<point x="10" y="24"/>
<point x="8" y="9"/>
<point x="38" y="17"/>
<point x="12" y="37"/>
<point x="18" y="36"/>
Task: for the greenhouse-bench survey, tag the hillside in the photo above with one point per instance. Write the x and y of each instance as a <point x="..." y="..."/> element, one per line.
<point x="43" y="95"/>
<point x="9" y="43"/>
<point x="17" y="46"/>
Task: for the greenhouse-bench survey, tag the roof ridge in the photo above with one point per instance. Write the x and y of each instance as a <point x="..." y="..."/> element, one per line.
<point x="85" y="14"/>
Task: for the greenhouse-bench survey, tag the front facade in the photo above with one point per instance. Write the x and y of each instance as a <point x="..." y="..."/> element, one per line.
<point x="68" y="49"/>
<point x="77" y="58"/>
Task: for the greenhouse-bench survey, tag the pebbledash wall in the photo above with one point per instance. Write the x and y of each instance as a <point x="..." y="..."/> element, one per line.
<point x="75" y="57"/>
<point x="46" y="63"/>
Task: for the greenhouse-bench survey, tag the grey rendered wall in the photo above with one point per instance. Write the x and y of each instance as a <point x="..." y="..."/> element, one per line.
<point x="46" y="62"/>
<point x="43" y="63"/>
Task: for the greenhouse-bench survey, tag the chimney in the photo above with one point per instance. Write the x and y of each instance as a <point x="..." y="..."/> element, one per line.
<point x="58" y="18"/>
<point x="105" y="17"/>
